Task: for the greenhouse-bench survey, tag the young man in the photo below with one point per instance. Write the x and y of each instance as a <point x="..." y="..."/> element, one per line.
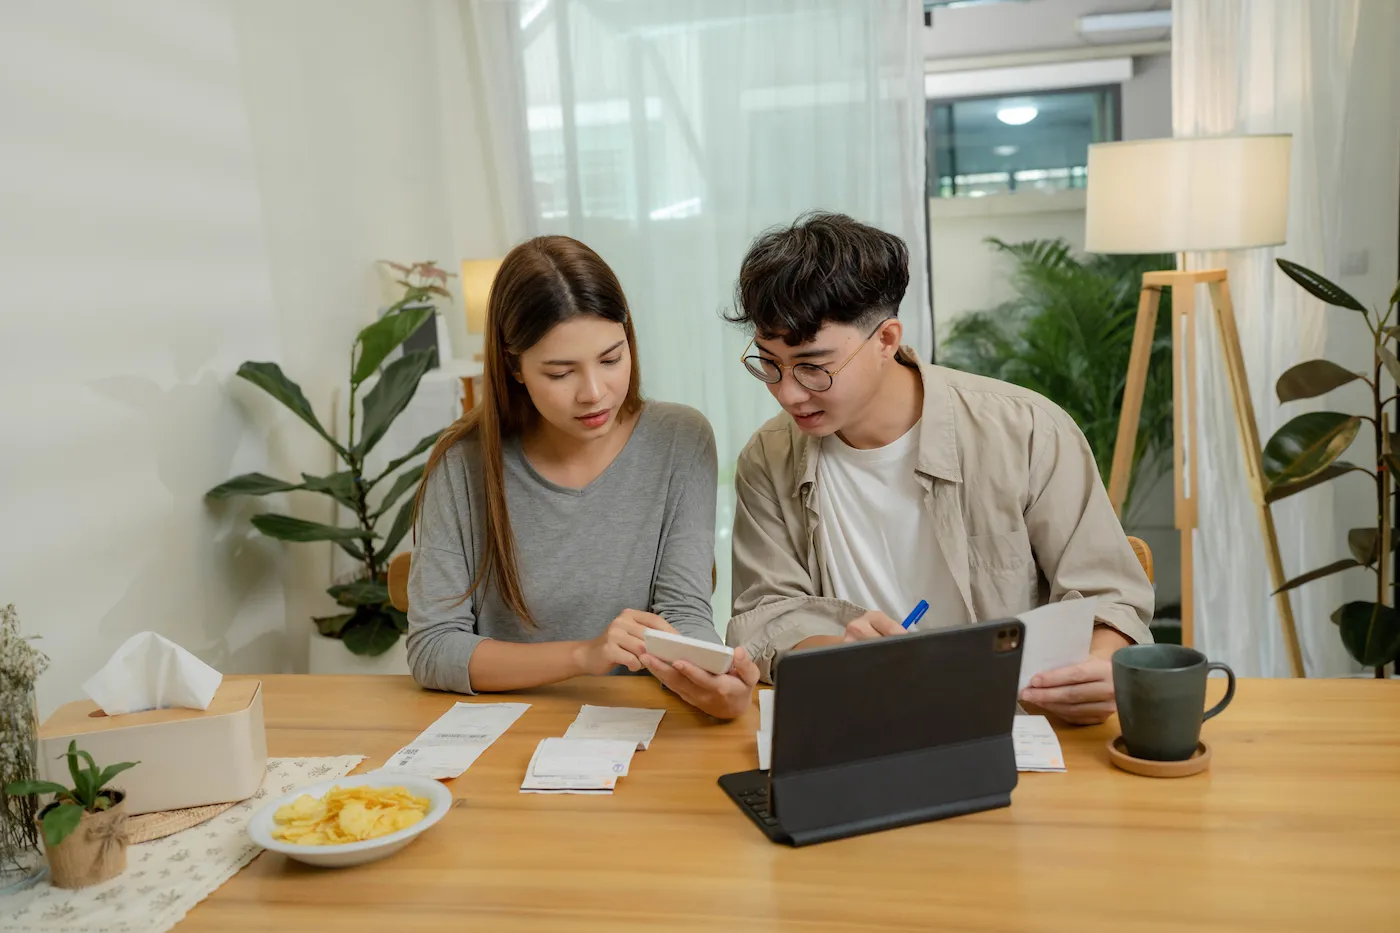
<point x="888" y="480"/>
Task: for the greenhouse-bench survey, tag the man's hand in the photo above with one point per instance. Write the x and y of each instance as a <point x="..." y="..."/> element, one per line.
<point x="872" y="625"/>
<point x="723" y="696"/>
<point x="1080" y="693"/>
<point x="621" y="643"/>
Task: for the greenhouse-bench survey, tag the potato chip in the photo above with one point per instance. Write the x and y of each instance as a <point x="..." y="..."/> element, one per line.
<point x="348" y="814"/>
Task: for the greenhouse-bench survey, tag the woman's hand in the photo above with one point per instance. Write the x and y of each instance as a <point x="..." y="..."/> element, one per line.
<point x="620" y="644"/>
<point x="723" y="696"/>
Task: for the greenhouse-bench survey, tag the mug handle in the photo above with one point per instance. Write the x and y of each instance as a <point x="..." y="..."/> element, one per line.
<point x="1229" y="690"/>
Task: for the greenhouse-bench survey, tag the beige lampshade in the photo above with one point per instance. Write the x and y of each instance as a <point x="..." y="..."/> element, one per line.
<point x="477" y="276"/>
<point x="1180" y="195"/>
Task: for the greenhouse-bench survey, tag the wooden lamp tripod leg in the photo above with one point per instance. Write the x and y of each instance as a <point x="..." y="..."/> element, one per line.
<point x="1253" y="466"/>
<point x="1121" y="472"/>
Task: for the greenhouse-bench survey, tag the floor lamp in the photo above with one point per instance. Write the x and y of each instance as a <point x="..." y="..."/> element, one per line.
<point x="1180" y="196"/>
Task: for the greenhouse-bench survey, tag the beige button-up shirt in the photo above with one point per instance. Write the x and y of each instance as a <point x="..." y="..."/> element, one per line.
<point x="1016" y="501"/>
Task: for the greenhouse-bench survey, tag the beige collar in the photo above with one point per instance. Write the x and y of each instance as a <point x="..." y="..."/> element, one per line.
<point x="938" y="438"/>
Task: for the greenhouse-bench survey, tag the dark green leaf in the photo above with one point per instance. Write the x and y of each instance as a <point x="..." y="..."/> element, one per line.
<point x="405" y="482"/>
<point x="402" y="522"/>
<point x="1318" y="574"/>
<point x="418" y="448"/>
<point x="349" y="547"/>
<point x="1311" y="379"/>
<point x="390" y="396"/>
<point x="331" y="626"/>
<point x="90" y="776"/>
<point x="382" y="337"/>
<point x="1370" y="632"/>
<point x="400" y="619"/>
<point x="1395" y="298"/>
<point x="113" y="771"/>
<point x="1363" y="544"/>
<point x="34" y="788"/>
<point x="1392" y="365"/>
<point x="1319" y="287"/>
<point x="250" y="484"/>
<point x="339" y="486"/>
<point x="360" y="593"/>
<point x="81" y="792"/>
<point x="1392" y="463"/>
<point x="370" y="633"/>
<point x="60" y="821"/>
<point x="269" y="378"/>
<point x="1307" y="445"/>
<point x="286" y="528"/>
<point x="1279" y="491"/>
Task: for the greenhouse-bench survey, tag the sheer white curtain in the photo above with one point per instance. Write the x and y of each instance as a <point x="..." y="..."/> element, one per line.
<point x="667" y="134"/>
<point x="1270" y="66"/>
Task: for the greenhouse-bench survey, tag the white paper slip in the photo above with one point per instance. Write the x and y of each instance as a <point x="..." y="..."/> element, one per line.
<point x="578" y="765"/>
<point x="616" y="722"/>
<point x="1037" y="746"/>
<point x="764" y="735"/>
<point x="455" y="740"/>
<point x="1057" y="634"/>
<point x="672" y="647"/>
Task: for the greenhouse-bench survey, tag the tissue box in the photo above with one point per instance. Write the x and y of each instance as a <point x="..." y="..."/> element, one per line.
<point x="188" y="757"/>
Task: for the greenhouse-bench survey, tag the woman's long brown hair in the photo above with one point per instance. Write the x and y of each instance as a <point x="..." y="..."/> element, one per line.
<point x="541" y="283"/>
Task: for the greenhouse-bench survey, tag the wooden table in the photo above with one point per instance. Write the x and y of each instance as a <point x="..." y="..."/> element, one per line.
<point x="1295" y="827"/>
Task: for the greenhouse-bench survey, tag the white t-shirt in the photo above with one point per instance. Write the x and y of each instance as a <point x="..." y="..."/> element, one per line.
<point x="876" y="535"/>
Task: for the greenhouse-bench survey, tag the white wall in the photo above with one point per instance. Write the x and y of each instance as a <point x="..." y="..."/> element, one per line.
<point x="188" y="185"/>
<point x="969" y="274"/>
<point x="1147" y="98"/>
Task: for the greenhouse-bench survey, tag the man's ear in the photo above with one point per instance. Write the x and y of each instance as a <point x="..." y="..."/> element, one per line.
<point x="891" y="337"/>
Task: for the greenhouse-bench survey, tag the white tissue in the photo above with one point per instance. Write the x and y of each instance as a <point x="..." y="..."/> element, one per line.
<point x="151" y="672"/>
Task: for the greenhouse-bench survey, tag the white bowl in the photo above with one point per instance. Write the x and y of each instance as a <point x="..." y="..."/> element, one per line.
<point x="353" y="853"/>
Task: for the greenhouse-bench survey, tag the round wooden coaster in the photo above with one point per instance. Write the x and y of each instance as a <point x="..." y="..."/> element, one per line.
<point x="1198" y="762"/>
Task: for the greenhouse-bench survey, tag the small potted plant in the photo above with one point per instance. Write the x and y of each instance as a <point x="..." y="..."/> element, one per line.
<point x="85" y="826"/>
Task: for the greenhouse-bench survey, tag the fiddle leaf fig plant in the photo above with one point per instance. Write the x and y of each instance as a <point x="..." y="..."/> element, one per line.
<point x="1307" y="451"/>
<point x="370" y="625"/>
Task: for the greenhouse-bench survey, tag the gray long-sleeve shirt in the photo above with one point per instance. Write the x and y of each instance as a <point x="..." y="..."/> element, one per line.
<point x="640" y="536"/>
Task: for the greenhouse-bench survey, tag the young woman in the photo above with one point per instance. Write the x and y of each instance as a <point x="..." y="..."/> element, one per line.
<point x="564" y="516"/>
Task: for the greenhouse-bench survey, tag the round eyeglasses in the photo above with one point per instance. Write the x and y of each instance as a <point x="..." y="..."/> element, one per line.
<point x="810" y="376"/>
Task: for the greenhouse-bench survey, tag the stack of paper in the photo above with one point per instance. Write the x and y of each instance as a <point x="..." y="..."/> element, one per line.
<point x="616" y="722"/>
<point x="765" y="728"/>
<point x="578" y="766"/>
<point x="453" y="742"/>
<point x="1037" y="748"/>
<point x="1057" y="635"/>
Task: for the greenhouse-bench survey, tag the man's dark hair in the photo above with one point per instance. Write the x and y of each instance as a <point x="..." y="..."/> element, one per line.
<point x="825" y="268"/>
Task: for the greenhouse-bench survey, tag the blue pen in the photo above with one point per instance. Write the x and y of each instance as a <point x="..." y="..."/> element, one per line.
<point x="918" y="613"/>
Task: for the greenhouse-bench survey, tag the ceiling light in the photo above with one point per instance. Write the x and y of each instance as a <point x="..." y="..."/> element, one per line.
<point x="1017" y="116"/>
<point x="1004" y="150"/>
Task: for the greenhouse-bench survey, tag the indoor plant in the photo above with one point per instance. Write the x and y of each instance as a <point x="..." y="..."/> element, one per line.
<point x="1067" y="334"/>
<point x="85" y="825"/>
<point x="20" y="666"/>
<point x="370" y="625"/>
<point x="1307" y="451"/>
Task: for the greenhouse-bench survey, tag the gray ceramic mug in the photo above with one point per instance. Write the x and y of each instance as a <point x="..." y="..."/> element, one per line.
<point x="1161" y="694"/>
